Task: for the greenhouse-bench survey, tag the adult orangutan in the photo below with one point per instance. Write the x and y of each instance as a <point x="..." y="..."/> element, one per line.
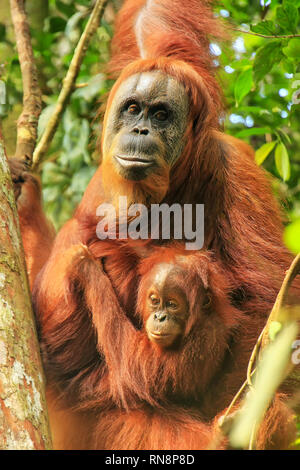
<point x="161" y="143"/>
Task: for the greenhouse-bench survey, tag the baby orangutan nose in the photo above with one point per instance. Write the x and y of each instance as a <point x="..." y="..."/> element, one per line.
<point x="161" y="316"/>
<point x="163" y="329"/>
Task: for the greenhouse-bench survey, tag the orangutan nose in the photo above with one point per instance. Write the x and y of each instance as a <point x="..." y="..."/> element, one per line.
<point x="141" y="130"/>
<point x="161" y="316"/>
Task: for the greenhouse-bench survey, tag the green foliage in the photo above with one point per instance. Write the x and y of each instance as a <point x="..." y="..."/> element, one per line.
<point x="266" y="56"/>
<point x="72" y="159"/>
<point x="287" y="17"/>
<point x="261" y="80"/>
<point x="243" y="84"/>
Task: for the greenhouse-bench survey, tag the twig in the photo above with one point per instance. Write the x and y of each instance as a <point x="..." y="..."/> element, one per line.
<point x="263" y="339"/>
<point x="68" y="83"/>
<point x="291" y="273"/>
<point x="275" y="36"/>
<point x="236" y="397"/>
<point x="81" y="85"/>
<point x="32" y="96"/>
<point x="253" y="357"/>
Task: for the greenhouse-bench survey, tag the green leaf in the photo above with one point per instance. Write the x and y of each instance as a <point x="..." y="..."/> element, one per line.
<point x="262" y="153"/>
<point x="293" y="48"/>
<point x="251" y="109"/>
<point x="243" y="85"/>
<point x="264" y="27"/>
<point x="289" y="65"/>
<point x="287" y="17"/>
<point x="292" y="236"/>
<point x="283" y="135"/>
<point x="240" y="64"/>
<point x="253" y="131"/>
<point x="282" y="161"/>
<point x="266" y="56"/>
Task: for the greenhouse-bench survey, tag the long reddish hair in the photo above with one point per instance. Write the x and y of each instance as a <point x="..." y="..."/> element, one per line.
<point x="151" y="29"/>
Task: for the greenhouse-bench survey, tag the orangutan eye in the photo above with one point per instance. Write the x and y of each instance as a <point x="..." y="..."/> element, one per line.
<point x="133" y="109"/>
<point x="154" y="299"/>
<point x="161" y="115"/>
<point x="171" y="304"/>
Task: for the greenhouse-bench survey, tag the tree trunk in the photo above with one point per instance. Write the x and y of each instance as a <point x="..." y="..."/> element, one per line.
<point x="23" y="412"/>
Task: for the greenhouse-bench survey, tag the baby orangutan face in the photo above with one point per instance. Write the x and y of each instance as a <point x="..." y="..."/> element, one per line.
<point x="166" y="307"/>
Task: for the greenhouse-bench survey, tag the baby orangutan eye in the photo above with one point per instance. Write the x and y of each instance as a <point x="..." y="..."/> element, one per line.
<point x="154" y="299"/>
<point x="171" y="304"/>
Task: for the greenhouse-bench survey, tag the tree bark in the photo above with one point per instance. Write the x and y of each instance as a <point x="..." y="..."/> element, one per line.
<point x="23" y="412"/>
<point x="32" y="96"/>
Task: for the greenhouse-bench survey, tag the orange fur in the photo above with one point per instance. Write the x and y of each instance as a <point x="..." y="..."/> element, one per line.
<point x="37" y="232"/>
<point x="173" y="429"/>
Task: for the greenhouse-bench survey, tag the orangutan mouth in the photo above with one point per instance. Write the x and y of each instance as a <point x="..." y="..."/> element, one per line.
<point x="128" y="161"/>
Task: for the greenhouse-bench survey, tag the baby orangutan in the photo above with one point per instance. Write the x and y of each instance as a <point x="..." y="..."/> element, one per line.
<point x="160" y="373"/>
<point x="166" y="307"/>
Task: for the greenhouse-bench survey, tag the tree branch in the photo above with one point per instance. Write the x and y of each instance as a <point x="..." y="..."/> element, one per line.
<point x="275" y="36"/>
<point x="32" y="96"/>
<point x="69" y="82"/>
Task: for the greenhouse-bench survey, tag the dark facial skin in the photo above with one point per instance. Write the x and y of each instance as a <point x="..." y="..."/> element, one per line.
<point x="166" y="308"/>
<point x="146" y="123"/>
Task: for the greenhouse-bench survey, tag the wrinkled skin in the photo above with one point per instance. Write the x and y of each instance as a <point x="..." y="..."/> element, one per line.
<point x="147" y="121"/>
